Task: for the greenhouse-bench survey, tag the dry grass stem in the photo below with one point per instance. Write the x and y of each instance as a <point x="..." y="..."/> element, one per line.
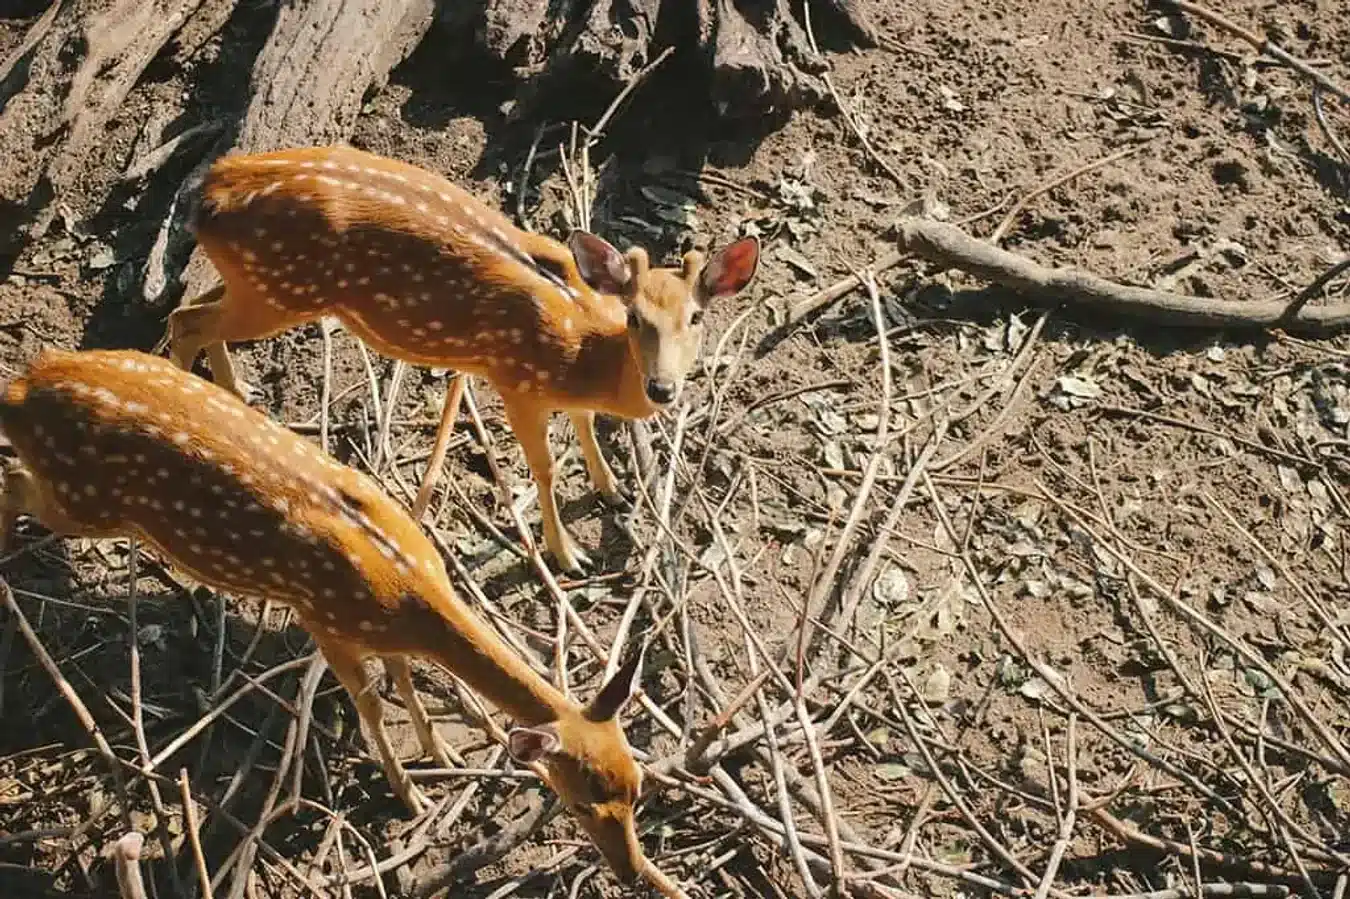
<point x="986" y="570"/>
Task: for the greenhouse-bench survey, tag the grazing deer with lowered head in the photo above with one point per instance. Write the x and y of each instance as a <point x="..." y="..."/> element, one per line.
<point x="125" y="444"/>
<point x="422" y="271"/>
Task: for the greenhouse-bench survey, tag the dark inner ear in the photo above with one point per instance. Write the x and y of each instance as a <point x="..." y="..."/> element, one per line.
<point x="621" y="688"/>
<point x="731" y="268"/>
<point x="530" y="744"/>
<point x="602" y="266"/>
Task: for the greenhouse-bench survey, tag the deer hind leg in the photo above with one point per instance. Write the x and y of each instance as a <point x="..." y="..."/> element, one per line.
<point x="432" y="744"/>
<point x="193" y="326"/>
<point x="351" y="673"/>
<point x="207" y="322"/>
<point x="529" y="421"/>
<point x="602" y="476"/>
<point x="449" y="412"/>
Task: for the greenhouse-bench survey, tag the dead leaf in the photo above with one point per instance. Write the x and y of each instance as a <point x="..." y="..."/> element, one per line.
<point x="152" y="635"/>
<point x="648" y="227"/>
<point x="797" y="261"/>
<point x="891" y="588"/>
<point x="949" y="101"/>
<point x="938" y="687"/>
<point x="892" y="771"/>
<point x="1072" y="392"/>
<point x="1081" y="387"/>
<point x="1015" y="333"/>
<point x="102" y="258"/>
<point x="1289" y="479"/>
<point x="685" y="218"/>
<point x="1035" y="688"/>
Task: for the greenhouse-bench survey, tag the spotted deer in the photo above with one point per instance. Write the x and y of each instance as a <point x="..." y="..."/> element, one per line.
<point x="422" y="271"/>
<point x="126" y="444"/>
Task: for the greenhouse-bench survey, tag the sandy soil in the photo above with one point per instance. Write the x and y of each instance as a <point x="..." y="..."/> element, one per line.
<point x="1093" y="470"/>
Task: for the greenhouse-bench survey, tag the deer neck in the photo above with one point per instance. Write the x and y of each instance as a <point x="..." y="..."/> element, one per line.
<point x="466" y="646"/>
<point x="608" y="375"/>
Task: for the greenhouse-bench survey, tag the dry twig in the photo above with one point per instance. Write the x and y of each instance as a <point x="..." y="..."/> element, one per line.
<point x="953" y="248"/>
<point x="72" y="699"/>
<point x="1070" y="814"/>
<point x="1327" y="129"/>
<point x="1263" y="45"/>
<point x="138" y="717"/>
<point x="194" y="835"/>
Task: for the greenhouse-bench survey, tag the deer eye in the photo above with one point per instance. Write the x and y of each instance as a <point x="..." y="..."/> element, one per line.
<point x="634" y="320"/>
<point x="596" y="788"/>
<point x="696" y="318"/>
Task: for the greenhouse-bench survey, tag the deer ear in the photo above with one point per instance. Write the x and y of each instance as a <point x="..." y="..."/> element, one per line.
<point x="530" y="744"/>
<point x="730" y="269"/>
<point x="619" y="690"/>
<point x="601" y="266"/>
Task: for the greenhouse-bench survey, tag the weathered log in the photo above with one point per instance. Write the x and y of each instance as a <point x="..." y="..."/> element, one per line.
<point x="756" y="53"/>
<point x="33" y="80"/>
<point x="521" y="33"/>
<point x="848" y="16"/>
<point x="616" y="38"/>
<point x="760" y="59"/>
<point x="318" y="63"/>
<point x="120" y="42"/>
<point x="951" y="247"/>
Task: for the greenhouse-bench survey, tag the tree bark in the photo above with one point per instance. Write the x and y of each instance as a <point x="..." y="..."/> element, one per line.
<point x="323" y="55"/>
<point x="760" y="58"/>
<point x="306" y="89"/>
<point x="756" y="53"/>
<point x="71" y="76"/>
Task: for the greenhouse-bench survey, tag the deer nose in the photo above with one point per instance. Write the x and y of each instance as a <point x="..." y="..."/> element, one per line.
<point x="660" y="392"/>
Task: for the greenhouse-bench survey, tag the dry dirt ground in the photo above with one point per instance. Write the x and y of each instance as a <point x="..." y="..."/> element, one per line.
<point x="1089" y="619"/>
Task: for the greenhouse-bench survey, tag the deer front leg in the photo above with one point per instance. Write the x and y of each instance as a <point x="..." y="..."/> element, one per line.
<point x="432" y="744"/>
<point x="602" y="476"/>
<point x="352" y="675"/>
<point x="449" y="411"/>
<point x="529" y="421"/>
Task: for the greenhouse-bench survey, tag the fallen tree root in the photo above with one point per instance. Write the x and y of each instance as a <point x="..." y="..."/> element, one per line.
<point x="759" y="58"/>
<point x="615" y="38"/>
<point x="950" y="246"/>
<point x="606" y="41"/>
<point x="755" y="54"/>
<point x="520" y="32"/>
